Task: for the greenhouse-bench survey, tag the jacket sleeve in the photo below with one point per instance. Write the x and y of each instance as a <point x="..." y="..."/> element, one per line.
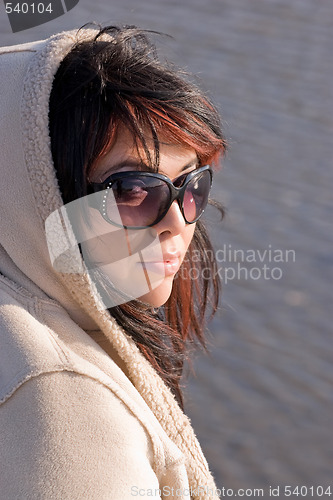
<point x="64" y="436"/>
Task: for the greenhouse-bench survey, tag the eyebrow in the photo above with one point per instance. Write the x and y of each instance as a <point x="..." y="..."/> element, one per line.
<point x="143" y="166"/>
<point x="193" y="163"/>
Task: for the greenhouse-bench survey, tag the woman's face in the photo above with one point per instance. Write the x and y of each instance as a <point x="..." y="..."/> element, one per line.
<point x="172" y="233"/>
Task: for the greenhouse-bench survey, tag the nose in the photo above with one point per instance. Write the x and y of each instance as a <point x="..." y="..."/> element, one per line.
<point x="173" y="222"/>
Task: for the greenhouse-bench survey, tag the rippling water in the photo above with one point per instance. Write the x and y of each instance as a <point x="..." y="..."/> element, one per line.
<point x="262" y="402"/>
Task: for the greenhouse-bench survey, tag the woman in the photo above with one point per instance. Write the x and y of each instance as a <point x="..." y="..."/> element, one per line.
<point x="107" y="164"/>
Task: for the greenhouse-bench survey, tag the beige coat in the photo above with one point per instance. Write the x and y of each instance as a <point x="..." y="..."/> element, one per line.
<point x="82" y="414"/>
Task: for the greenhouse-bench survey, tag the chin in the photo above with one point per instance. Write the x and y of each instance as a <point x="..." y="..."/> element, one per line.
<point x="159" y="296"/>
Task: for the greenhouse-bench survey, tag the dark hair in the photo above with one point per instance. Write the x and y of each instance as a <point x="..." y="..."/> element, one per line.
<point x="117" y="79"/>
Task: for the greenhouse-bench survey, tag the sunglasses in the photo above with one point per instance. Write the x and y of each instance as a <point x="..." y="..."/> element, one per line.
<point x="137" y="200"/>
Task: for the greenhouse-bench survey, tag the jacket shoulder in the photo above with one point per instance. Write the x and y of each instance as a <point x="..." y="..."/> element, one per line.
<point x="64" y="436"/>
<point x="27" y="346"/>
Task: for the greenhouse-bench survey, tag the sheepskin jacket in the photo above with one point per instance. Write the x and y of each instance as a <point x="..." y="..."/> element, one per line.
<point x="79" y="418"/>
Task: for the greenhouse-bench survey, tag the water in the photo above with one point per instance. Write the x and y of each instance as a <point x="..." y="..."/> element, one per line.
<point x="262" y="402"/>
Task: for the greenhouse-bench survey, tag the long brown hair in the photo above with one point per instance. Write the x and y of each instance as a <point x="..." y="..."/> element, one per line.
<point x="117" y="79"/>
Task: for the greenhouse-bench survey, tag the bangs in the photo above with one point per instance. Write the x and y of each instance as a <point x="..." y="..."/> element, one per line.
<point x="149" y="122"/>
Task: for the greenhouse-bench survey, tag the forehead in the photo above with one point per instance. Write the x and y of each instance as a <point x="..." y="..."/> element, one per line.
<point x="173" y="157"/>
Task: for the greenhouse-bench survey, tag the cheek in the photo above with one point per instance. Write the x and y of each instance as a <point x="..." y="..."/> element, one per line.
<point x="188" y="235"/>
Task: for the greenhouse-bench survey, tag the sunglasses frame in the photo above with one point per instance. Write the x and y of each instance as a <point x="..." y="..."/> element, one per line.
<point x="177" y="193"/>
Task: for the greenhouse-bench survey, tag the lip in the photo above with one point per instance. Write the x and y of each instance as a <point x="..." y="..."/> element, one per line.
<point x="171" y="256"/>
<point x="167" y="267"/>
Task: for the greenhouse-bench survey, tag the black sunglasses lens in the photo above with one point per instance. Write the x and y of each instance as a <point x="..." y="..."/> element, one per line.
<point x="196" y="196"/>
<point x="137" y="201"/>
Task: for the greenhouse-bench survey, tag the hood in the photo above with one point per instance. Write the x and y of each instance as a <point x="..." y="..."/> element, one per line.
<point x="29" y="194"/>
<point x="29" y="191"/>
